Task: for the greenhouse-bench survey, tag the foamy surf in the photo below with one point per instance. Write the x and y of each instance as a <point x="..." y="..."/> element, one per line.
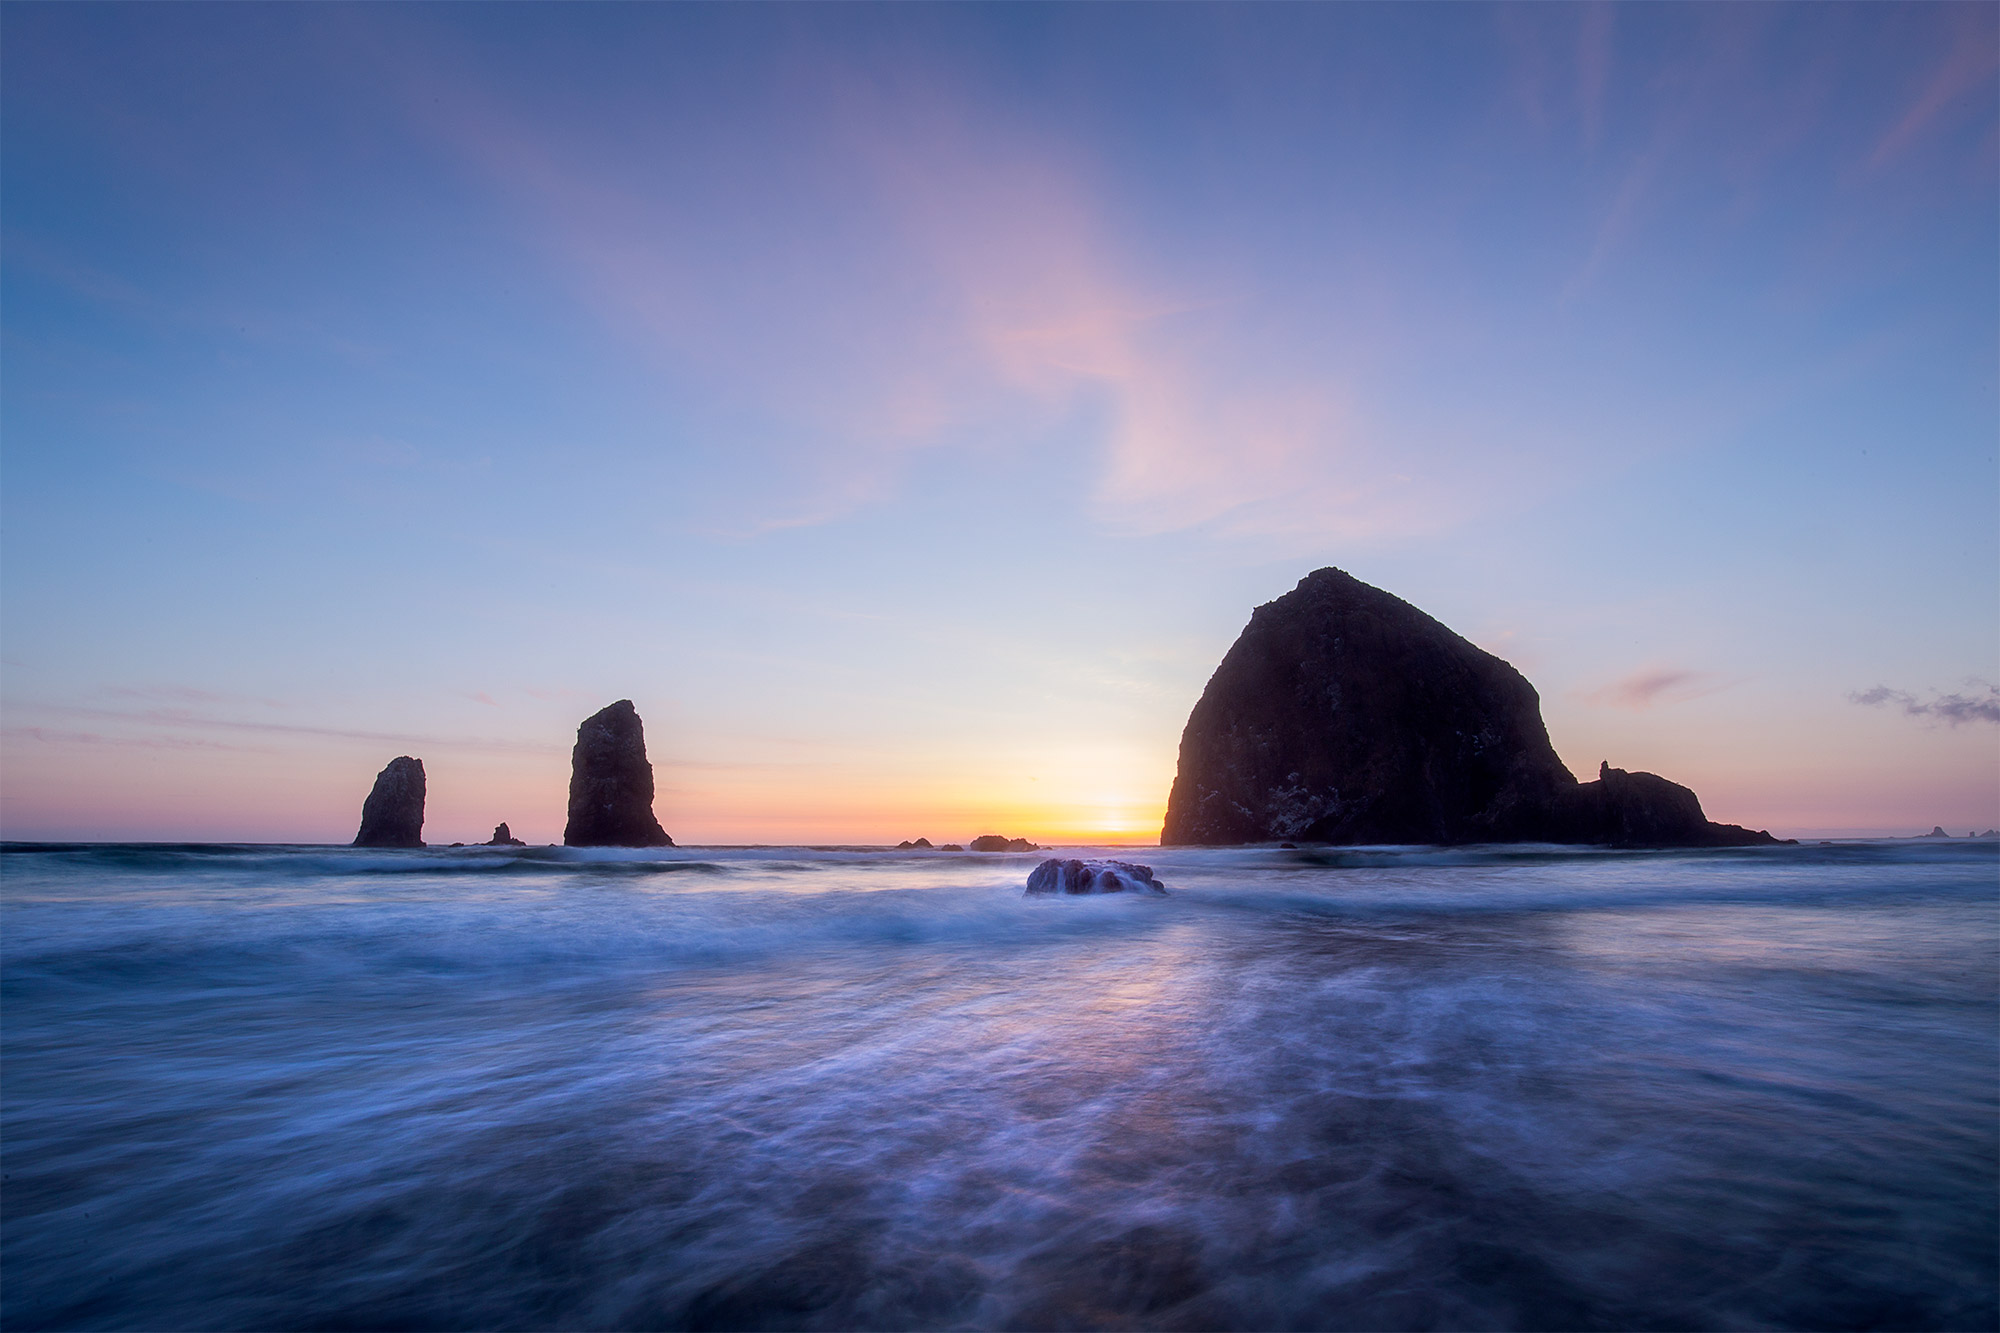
<point x="835" y="1088"/>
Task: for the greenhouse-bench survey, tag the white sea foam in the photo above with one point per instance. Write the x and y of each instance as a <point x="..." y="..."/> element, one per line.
<point x="700" y="1087"/>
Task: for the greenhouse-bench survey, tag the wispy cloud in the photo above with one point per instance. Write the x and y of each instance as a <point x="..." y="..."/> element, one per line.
<point x="1965" y="69"/>
<point x="1655" y="687"/>
<point x="965" y="284"/>
<point x="58" y="736"/>
<point x="1981" y="703"/>
<point x="185" y="720"/>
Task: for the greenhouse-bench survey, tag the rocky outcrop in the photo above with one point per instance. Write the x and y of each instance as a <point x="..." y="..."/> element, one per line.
<point x="1079" y="877"/>
<point x="611" y="784"/>
<point x="393" y="814"/>
<point x="503" y="837"/>
<point x="921" y="844"/>
<point x="994" y="842"/>
<point x="1343" y="714"/>
<point x="1623" y="809"/>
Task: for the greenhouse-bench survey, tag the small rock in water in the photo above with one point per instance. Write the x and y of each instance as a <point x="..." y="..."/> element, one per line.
<point x="502" y="837"/>
<point x="908" y="846"/>
<point x="1057" y="875"/>
<point x="995" y="842"/>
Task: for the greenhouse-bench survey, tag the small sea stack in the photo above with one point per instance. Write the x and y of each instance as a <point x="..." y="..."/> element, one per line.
<point x="393" y="814"/>
<point x="611" y="783"/>
<point x="1058" y="875"/>
<point x="504" y="837"/>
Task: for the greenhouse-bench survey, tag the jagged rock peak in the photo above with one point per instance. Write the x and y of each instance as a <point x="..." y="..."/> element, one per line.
<point x="393" y="814"/>
<point x="504" y="837"/>
<point x="1342" y="714"/>
<point x="611" y="783"/>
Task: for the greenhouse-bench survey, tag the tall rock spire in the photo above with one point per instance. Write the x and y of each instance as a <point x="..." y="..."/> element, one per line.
<point x="393" y="814"/>
<point x="611" y="784"/>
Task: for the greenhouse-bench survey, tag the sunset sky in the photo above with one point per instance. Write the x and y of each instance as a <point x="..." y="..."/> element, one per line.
<point x="905" y="406"/>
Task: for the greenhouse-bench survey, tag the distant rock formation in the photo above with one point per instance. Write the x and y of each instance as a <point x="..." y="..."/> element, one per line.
<point x="1343" y="714"/>
<point x="611" y="784"/>
<point x="1937" y="831"/>
<point x="393" y="814"/>
<point x="1070" y="876"/>
<point x="993" y="842"/>
<point x="951" y="847"/>
<point x="920" y="843"/>
<point x="503" y="838"/>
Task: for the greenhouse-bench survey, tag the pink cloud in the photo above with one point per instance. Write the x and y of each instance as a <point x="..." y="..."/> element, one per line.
<point x="910" y="269"/>
<point x="1967" y="67"/>
<point x="1656" y="686"/>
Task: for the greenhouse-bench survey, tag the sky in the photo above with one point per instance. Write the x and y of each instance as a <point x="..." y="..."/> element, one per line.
<point x="905" y="406"/>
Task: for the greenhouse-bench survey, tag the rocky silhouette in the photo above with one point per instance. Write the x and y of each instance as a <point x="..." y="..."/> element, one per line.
<point x="1057" y="875"/>
<point x="921" y="844"/>
<point x="994" y="842"/>
<point x="1343" y="714"/>
<point x="503" y="837"/>
<point x="611" y="784"/>
<point x="393" y="814"/>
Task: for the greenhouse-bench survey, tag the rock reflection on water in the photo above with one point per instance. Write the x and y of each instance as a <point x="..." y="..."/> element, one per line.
<point x="835" y="1090"/>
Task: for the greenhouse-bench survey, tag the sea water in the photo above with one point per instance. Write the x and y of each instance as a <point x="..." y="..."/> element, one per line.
<point x="308" y="1087"/>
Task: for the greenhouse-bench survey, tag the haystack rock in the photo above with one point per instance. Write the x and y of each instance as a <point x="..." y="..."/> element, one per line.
<point x="504" y="837"/>
<point x="393" y="814"/>
<point x="611" y="784"/>
<point x="1343" y="714"/>
<point x="1057" y="875"/>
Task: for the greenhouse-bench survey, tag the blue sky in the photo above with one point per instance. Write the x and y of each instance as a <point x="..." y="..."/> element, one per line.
<point x="906" y="406"/>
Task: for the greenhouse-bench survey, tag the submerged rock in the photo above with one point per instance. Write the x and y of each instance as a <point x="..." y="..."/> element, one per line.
<point x="502" y="837"/>
<point x="611" y="784"/>
<point x="1343" y="714"/>
<point x="1057" y="875"/>
<point x="393" y="814"/>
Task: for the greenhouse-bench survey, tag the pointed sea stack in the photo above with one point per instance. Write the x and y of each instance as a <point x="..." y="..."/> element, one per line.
<point x="1345" y="715"/>
<point x="393" y="814"/>
<point x="504" y="837"/>
<point x="611" y="784"/>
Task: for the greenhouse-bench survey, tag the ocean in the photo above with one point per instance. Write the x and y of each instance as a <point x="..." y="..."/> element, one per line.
<point x="254" y="1087"/>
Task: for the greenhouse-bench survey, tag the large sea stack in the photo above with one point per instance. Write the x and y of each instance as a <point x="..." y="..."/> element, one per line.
<point x="1343" y="714"/>
<point x="393" y="814"/>
<point x="611" y="784"/>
